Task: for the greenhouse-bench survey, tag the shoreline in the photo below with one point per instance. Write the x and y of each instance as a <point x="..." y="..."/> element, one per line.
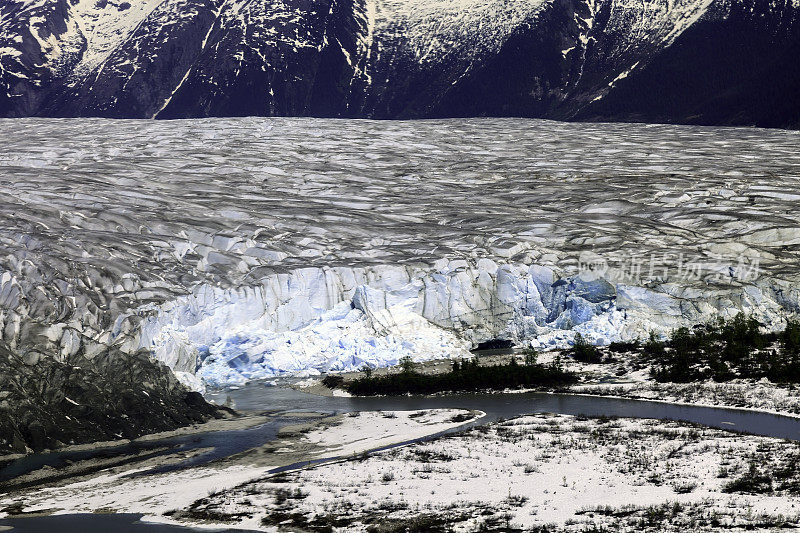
<point x="331" y="438"/>
<point x="556" y="469"/>
<point x="786" y="414"/>
<point x="240" y="420"/>
<point x="120" y="456"/>
<point x="314" y="386"/>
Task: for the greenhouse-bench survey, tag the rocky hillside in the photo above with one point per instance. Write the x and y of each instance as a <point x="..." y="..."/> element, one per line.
<point x="47" y="402"/>
<point x="688" y="61"/>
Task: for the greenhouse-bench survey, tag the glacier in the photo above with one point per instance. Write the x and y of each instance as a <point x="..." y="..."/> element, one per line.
<point x="241" y="249"/>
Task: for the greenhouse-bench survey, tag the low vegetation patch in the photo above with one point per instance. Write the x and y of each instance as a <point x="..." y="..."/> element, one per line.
<point x="726" y="350"/>
<point x="751" y="482"/>
<point x="584" y="352"/>
<point x="464" y="376"/>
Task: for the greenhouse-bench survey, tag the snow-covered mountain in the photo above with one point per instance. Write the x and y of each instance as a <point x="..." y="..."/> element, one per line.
<point x="697" y="61"/>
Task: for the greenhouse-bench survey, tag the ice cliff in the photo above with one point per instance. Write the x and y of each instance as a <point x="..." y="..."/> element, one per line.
<point x="332" y="319"/>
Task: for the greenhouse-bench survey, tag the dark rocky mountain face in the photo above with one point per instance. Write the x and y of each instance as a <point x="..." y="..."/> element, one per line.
<point x="737" y="65"/>
<point x="691" y="61"/>
<point x="46" y="402"/>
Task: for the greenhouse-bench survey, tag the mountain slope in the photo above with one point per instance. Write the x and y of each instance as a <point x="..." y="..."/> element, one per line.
<point x="744" y="70"/>
<point x="695" y="61"/>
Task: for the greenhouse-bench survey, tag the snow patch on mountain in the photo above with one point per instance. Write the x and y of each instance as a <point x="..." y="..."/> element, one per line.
<point x="437" y="29"/>
<point x="40" y="24"/>
<point x="684" y="14"/>
<point x="106" y="26"/>
<point x="263" y="25"/>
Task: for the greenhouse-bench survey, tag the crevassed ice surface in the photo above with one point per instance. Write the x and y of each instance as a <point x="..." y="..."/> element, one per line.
<point x="246" y="248"/>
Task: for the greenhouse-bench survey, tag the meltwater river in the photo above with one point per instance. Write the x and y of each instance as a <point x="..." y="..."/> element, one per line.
<point x="288" y="402"/>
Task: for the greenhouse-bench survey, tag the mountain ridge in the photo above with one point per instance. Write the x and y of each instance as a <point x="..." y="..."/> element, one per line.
<point x="692" y="61"/>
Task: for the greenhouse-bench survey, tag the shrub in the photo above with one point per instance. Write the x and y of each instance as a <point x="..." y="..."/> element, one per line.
<point x="584" y="352"/>
<point x="407" y="365"/>
<point x="625" y="347"/>
<point x="467" y="376"/>
<point x="530" y="356"/>
<point x="684" y="487"/>
<point x="753" y="482"/>
<point x="332" y="381"/>
<point x="725" y="350"/>
<point x="654" y="347"/>
<point x="790" y="338"/>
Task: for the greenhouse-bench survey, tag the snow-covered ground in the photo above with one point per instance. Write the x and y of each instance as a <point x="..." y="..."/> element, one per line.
<point x="247" y="248"/>
<point x="625" y="378"/>
<point x="563" y="472"/>
<point x="746" y="394"/>
<point x="114" y="490"/>
<point x="371" y="430"/>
